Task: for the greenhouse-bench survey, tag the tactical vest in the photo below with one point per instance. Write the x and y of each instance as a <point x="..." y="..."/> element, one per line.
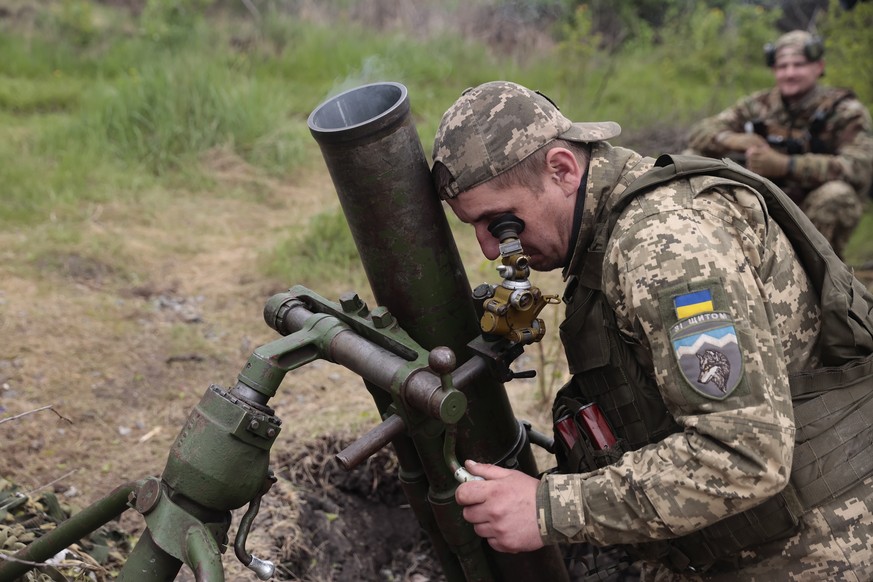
<point x="806" y="139"/>
<point x="833" y="404"/>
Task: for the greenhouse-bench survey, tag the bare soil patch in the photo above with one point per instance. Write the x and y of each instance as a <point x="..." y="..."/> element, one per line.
<point x="358" y="523"/>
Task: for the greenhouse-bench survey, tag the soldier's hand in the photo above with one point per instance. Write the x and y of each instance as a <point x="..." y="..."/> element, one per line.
<point x="767" y="162"/>
<point x="740" y="142"/>
<point x="502" y="508"/>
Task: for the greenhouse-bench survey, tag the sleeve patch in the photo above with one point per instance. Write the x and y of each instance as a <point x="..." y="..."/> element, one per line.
<point x="708" y="353"/>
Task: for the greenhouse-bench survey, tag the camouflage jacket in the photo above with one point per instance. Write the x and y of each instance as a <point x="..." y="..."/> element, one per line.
<point x="838" y="147"/>
<point x="732" y="452"/>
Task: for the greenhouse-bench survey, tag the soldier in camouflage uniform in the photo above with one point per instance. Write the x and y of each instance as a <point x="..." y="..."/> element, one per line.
<point x="684" y="324"/>
<point x="815" y="142"/>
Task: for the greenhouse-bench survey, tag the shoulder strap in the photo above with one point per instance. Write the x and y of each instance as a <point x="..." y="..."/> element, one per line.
<point x="820" y="118"/>
<point x="827" y="108"/>
<point x="847" y="306"/>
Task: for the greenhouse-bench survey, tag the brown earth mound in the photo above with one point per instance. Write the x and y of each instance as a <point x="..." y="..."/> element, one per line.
<point x="357" y="524"/>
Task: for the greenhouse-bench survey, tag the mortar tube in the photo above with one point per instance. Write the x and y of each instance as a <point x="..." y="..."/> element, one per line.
<point x="375" y="158"/>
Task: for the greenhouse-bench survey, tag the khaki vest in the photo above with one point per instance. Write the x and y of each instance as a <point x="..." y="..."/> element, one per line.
<point x="831" y="404"/>
<point x="810" y="137"/>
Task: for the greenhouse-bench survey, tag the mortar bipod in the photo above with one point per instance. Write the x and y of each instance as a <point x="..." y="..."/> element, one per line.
<point x="188" y="509"/>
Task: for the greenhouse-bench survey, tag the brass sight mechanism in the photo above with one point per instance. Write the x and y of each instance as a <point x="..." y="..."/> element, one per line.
<point x="509" y="309"/>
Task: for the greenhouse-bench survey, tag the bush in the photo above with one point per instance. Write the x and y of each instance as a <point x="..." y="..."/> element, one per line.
<point x="171" y="21"/>
<point x="848" y="46"/>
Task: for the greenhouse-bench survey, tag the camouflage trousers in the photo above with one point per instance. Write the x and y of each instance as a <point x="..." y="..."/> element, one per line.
<point x="835" y="209"/>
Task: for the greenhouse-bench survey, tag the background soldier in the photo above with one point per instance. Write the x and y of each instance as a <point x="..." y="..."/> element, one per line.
<point x="815" y="142"/>
<point x="689" y="319"/>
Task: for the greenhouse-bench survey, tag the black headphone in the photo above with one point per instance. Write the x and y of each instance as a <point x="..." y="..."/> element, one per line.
<point x="813" y="50"/>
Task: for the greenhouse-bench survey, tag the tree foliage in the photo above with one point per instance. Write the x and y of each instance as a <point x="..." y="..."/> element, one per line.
<point x="710" y="49"/>
<point x="711" y="45"/>
<point x="848" y="46"/>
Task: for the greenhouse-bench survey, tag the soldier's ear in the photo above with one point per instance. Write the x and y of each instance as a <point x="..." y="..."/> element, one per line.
<point x="563" y="167"/>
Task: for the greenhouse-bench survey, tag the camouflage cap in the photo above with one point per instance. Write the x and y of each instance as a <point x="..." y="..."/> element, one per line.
<point x="799" y="42"/>
<point x="494" y="126"/>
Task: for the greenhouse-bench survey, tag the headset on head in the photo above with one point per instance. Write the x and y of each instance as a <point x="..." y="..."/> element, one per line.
<point x="813" y="50"/>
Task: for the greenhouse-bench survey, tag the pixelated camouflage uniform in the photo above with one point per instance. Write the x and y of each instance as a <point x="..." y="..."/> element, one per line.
<point x="695" y="462"/>
<point x="729" y="454"/>
<point x="831" y="178"/>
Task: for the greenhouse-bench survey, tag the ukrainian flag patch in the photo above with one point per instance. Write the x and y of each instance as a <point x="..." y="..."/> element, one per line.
<point x="691" y="304"/>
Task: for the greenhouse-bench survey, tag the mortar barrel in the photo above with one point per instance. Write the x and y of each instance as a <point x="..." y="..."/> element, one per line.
<point x="375" y="158"/>
<point x="377" y="164"/>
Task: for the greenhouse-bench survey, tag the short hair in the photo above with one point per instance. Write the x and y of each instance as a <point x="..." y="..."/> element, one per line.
<point x="529" y="172"/>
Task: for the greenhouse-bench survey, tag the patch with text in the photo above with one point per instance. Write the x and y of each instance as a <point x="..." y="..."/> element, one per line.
<point x="708" y="353"/>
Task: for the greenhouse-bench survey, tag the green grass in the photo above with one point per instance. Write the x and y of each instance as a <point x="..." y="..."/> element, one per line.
<point x="171" y="109"/>
<point x="323" y="253"/>
<point x="28" y="96"/>
<point x="97" y="103"/>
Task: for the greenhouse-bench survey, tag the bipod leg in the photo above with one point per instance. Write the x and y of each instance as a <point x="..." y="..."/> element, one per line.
<point x="203" y="555"/>
<point x="178" y="531"/>
<point x="69" y="531"/>
<point x="149" y="562"/>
